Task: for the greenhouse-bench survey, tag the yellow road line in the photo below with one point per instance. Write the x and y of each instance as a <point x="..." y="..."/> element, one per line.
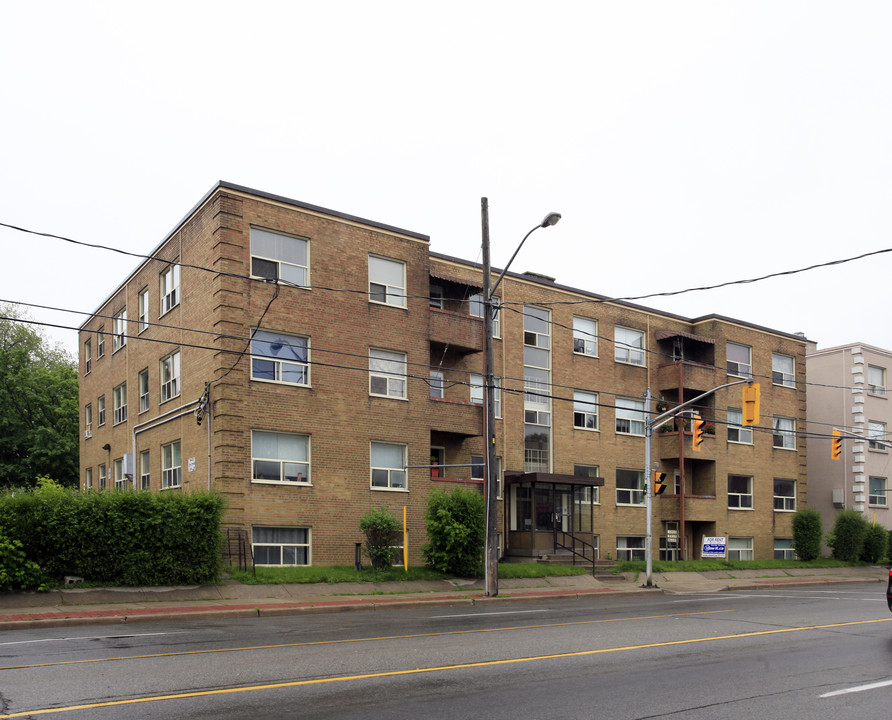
<point x="357" y="640"/>
<point x="419" y="671"/>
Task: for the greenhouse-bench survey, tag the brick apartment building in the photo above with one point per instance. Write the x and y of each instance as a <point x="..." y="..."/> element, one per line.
<point x="847" y="391"/>
<point x="365" y="369"/>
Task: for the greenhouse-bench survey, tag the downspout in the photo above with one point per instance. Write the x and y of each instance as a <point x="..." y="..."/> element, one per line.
<point x="681" y="481"/>
<point x="157" y="422"/>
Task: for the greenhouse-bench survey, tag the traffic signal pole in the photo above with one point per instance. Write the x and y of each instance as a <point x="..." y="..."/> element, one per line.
<point x="651" y="424"/>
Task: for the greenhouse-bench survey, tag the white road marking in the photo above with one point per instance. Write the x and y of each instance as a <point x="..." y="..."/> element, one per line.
<point x="858" y="688"/>
<point x="90" y="637"/>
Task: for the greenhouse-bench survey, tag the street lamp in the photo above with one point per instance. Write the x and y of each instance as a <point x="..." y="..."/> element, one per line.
<point x="491" y="559"/>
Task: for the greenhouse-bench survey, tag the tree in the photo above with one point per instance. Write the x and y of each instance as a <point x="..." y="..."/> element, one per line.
<point x="807" y="534"/>
<point x="38" y="406"/>
<point x="847" y="537"/>
<point x="382" y="532"/>
<point x="456" y="532"/>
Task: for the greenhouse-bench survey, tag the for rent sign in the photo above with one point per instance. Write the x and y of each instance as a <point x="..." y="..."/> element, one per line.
<point x="714" y="547"/>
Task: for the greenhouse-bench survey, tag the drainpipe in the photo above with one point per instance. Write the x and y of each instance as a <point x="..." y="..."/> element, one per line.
<point x="157" y="422"/>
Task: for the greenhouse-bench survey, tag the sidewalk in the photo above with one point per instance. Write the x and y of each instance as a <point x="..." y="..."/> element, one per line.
<point x="127" y="605"/>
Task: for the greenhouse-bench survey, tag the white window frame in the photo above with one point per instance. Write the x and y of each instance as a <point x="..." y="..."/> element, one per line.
<point x="737" y="433"/>
<point x="287" y="467"/>
<point x="784" y="503"/>
<point x="100" y="342"/>
<point x="88" y="420"/>
<point x="740" y="548"/>
<point x="143" y="383"/>
<point x="88" y="357"/>
<point x="876" y="435"/>
<point x="630" y="496"/>
<point x="144" y="470"/>
<point x="627" y="551"/>
<point x="784" y="434"/>
<point x="737" y="368"/>
<point x="170" y="376"/>
<point x="297" y="547"/>
<point x="88" y="478"/>
<point x="289" y="267"/>
<point x="585" y="410"/>
<point x="286" y="365"/>
<point x="102" y="476"/>
<point x="143" y="309"/>
<point x="475" y="382"/>
<point x="740" y="499"/>
<point x="394" y="478"/>
<point x="382" y="281"/>
<point x="169" y="280"/>
<point x="387" y="374"/>
<point x="120" y="403"/>
<point x="631" y="411"/>
<point x="628" y="345"/>
<point x="585" y="336"/>
<point x="780" y="373"/>
<point x="590" y="471"/>
<point x="476" y="309"/>
<point x="100" y="411"/>
<point x="437" y="384"/>
<point x="118" y="473"/>
<point x="876" y="380"/>
<point x="783" y="549"/>
<point x="877" y="496"/>
<point x="119" y="330"/>
<point x="171" y="465"/>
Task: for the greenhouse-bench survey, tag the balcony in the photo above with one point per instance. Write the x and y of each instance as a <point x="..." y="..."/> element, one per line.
<point x="702" y="508"/>
<point x="463" y="333"/>
<point x="696" y="378"/>
<point x="455" y="418"/>
<point x="667" y="446"/>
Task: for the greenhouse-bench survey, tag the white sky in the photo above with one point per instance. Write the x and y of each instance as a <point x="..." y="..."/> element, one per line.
<point x="685" y="143"/>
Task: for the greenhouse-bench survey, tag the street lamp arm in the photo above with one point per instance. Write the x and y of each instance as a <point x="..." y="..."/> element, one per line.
<point x="550" y="219"/>
<point x="665" y="417"/>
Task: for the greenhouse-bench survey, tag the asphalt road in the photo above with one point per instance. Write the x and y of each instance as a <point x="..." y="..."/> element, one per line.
<point x="791" y="653"/>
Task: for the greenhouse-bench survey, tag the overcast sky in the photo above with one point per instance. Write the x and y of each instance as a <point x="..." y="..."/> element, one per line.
<point x="685" y="143"/>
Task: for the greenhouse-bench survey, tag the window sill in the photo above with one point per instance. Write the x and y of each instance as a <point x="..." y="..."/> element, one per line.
<point x="741" y="509"/>
<point x="281" y="483"/>
<point x="389" y="397"/>
<point x="389" y="489"/>
<point x="596" y="357"/>
<point x="280" y="382"/>
<point x="778" y="510"/>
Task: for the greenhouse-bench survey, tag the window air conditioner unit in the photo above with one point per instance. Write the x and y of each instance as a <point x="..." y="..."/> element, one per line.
<point x="128" y="464"/>
<point x="839" y="497"/>
<point x="88" y="434"/>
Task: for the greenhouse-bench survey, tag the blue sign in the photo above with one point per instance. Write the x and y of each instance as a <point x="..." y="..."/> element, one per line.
<point x="714" y="547"/>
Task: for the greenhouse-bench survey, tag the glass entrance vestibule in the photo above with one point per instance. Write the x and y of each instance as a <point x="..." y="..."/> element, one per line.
<point x="544" y="508"/>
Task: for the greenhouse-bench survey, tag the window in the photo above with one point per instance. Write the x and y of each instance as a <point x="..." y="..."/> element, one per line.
<point x="437" y="384"/>
<point x="877" y="491"/>
<point x="629" y="416"/>
<point x="740" y="548"/>
<point x="585" y="410"/>
<point x="170" y="376"/>
<point x="876" y="434"/>
<point x="170" y="287"/>
<point x="100" y="343"/>
<point x="144" y="476"/>
<point x="88" y="478"/>
<point x="740" y="362"/>
<point x="782" y="370"/>
<point x="740" y="492"/>
<point x="585" y="336"/>
<point x="876" y="380"/>
<point x="88" y="357"/>
<point x="144" y="390"/>
<point x="478" y="468"/>
<point x="280" y="457"/>
<point x="475" y="309"/>
<point x="784" y="433"/>
<point x="783" y="549"/>
<point x="629" y="487"/>
<point x="387" y="281"/>
<point x="630" y="547"/>
<point x="436" y="297"/>
<point x="784" y="495"/>
<point x="100" y="406"/>
<point x="280" y="257"/>
<point x="88" y="420"/>
<point x="628" y="345"/>
<point x="281" y="545"/>
<point x="118" y="470"/>
<point x="589" y="471"/>
<point x="102" y="476"/>
<point x="143" y="309"/>
<point x="388" y="463"/>
<point x="277" y="357"/>
<point x="120" y="400"/>
<point x="737" y="433"/>
<point x="170" y="465"/>
<point x="476" y="383"/>
<point x="387" y="373"/>
<point x="119" y="330"/>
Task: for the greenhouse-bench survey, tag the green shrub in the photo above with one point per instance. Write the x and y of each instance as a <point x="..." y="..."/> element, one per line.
<point x="875" y="541"/>
<point x="16" y="571"/>
<point x="456" y="530"/>
<point x="847" y="536"/>
<point x="807" y="534"/>
<point x="382" y="531"/>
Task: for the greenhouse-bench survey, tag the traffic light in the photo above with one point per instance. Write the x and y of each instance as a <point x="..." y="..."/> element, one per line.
<point x="659" y="483"/>
<point x="751" y="404"/>
<point x="697" y="424"/>
<point x="836" y="445"/>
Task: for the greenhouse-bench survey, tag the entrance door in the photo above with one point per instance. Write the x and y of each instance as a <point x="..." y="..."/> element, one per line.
<point x="563" y="509"/>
